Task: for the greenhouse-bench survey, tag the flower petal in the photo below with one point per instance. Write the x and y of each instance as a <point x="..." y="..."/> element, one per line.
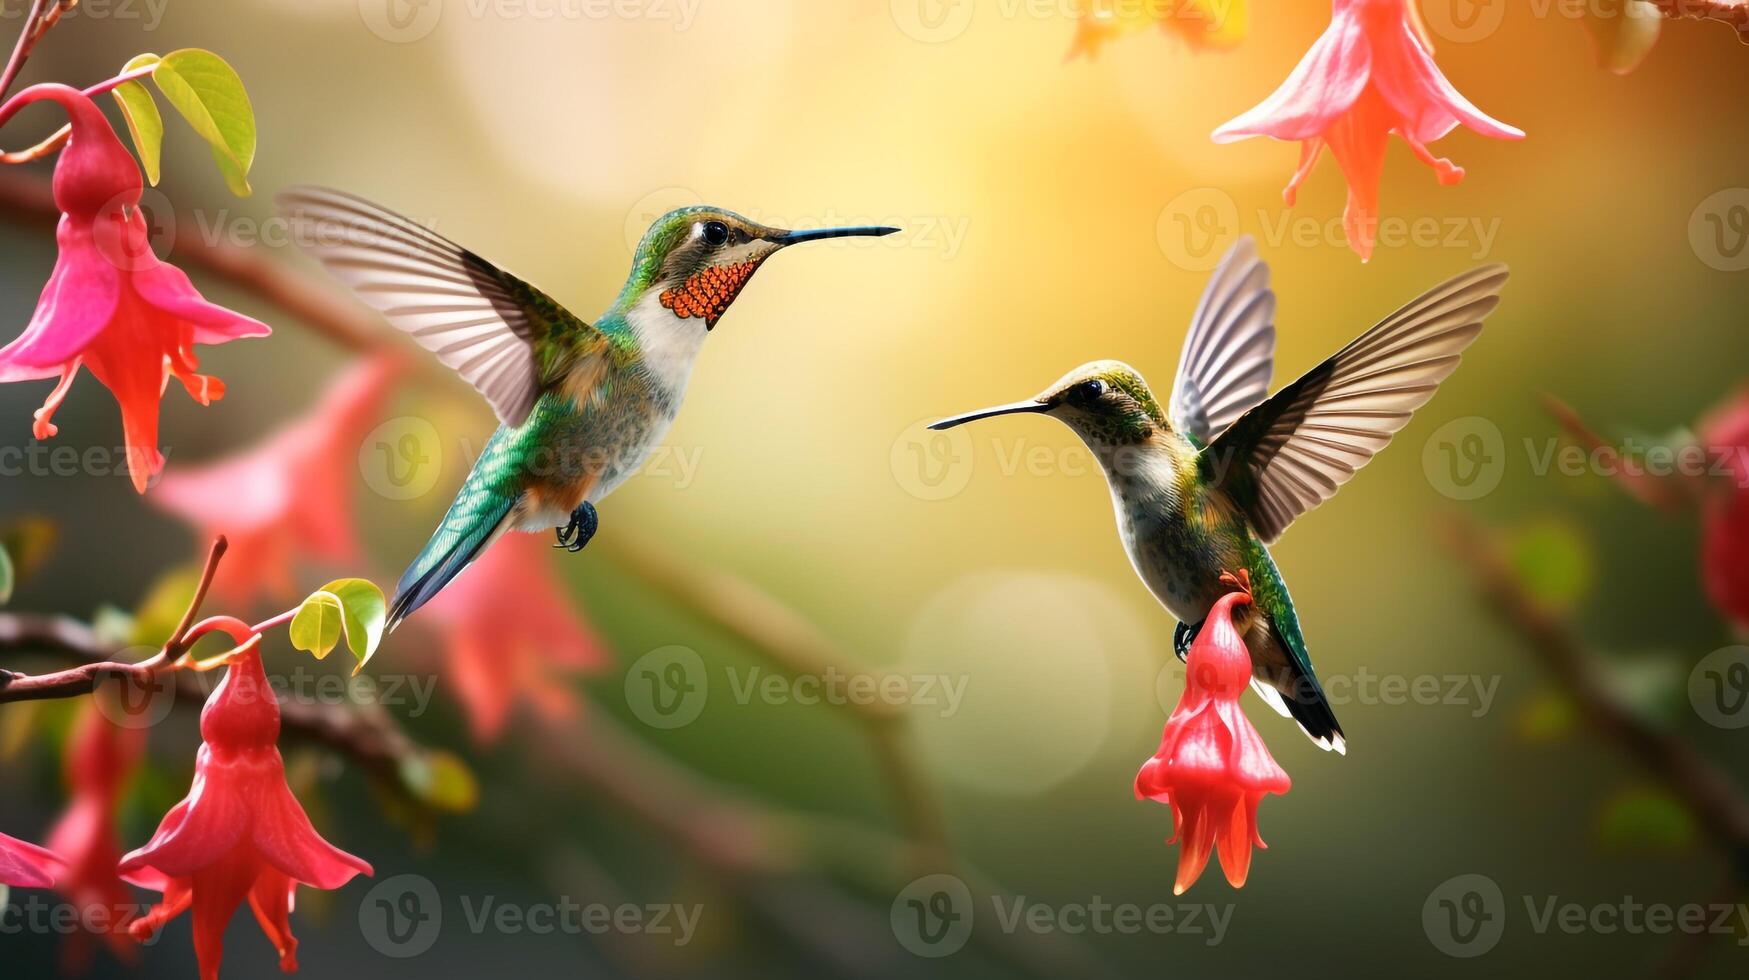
<point x="1322" y="87"/>
<point x="77" y="303"/>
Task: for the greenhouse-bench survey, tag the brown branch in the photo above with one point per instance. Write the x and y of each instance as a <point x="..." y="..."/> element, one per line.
<point x="1717" y="803"/>
<point x="1668" y="493"/>
<point x="1732" y="12"/>
<point x="83" y="679"/>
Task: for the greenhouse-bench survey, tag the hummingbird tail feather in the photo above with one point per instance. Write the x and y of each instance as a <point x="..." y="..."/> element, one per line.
<point x="470" y="527"/>
<point x="1311" y="710"/>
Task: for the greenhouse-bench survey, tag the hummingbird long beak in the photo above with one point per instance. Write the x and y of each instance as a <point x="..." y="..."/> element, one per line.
<point x="784" y="239"/>
<point x="1016" y="408"/>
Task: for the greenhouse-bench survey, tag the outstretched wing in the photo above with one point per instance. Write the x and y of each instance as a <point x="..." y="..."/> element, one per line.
<point x="503" y="336"/>
<point x="1292" y="452"/>
<point x="1230" y="351"/>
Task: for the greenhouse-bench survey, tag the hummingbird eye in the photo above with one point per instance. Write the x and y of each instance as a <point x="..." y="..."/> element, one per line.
<point x="715" y="233"/>
<point x="1088" y="392"/>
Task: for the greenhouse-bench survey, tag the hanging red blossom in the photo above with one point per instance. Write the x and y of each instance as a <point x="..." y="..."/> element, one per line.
<point x="1368" y="76"/>
<point x="1213" y="768"/>
<point x="1725" y="512"/>
<point x="100" y="758"/>
<point x="510" y="631"/>
<point x="26" y="865"/>
<point x="239" y="834"/>
<point x="110" y="305"/>
<point x="289" y="498"/>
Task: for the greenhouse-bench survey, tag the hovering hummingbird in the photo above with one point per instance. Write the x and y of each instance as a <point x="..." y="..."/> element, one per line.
<point x="1205" y="487"/>
<point x="581" y="406"/>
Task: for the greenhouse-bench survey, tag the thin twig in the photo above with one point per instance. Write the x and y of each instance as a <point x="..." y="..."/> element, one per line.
<point x="1732" y="12"/>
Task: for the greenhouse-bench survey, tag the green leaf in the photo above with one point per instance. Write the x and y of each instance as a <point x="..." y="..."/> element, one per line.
<point x="1647" y="819"/>
<point x="208" y="93"/>
<point x="441" y="781"/>
<point x="362" y="612"/>
<point x="1553" y="558"/>
<point x="5" y="577"/>
<point x="316" y="626"/>
<point x="1548" y="716"/>
<point x="140" y="112"/>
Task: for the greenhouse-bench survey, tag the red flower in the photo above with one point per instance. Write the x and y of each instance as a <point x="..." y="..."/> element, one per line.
<point x="239" y="833"/>
<point x="27" y="865"/>
<point x="1725" y="513"/>
<point x="1368" y="76"/>
<point x="290" y="496"/>
<point x="110" y="305"/>
<point x="509" y="630"/>
<point x="100" y="759"/>
<point x="1213" y="768"/>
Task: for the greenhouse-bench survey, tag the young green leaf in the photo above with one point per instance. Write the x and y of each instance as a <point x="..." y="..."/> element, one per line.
<point x="316" y="626"/>
<point x="441" y="781"/>
<point x="364" y="614"/>
<point x="208" y="93"/>
<point x="5" y="576"/>
<point x="140" y="112"/>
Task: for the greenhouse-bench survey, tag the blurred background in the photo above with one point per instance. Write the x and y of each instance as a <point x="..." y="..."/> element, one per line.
<point x="802" y="524"/>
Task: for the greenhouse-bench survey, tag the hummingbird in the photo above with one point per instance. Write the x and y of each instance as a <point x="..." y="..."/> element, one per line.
<point x="581" y="406"/>
<point x="1203" y="488"/>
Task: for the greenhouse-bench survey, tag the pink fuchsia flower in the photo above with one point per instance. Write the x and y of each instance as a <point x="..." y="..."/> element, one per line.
<point x="1725" y="511"/>
<point x="26" y="865"/>
<point x="510" y="631"/>
<point x="100" y="758"/>
<point x="1368" y="76"/>
<point x="1213" y="768"/>
<point x="1201" y="24"/>
<point x="239" y="834"/>
<point x="110" y="305"/>
<point x="290" y="496"/>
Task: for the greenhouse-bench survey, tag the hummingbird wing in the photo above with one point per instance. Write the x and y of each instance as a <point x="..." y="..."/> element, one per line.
<point x="503" y="336"/>
<point x="1292" y="452"/>
<point x="1229" y="353"/>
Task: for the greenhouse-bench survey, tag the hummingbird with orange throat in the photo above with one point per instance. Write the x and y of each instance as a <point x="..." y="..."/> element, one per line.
<point x="581" y="406"/>
<point x="1203" y="488"/>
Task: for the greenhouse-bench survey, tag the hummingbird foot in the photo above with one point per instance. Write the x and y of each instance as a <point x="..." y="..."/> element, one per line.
<point x="1183" y="637"/>
<point x="584" y="522"/>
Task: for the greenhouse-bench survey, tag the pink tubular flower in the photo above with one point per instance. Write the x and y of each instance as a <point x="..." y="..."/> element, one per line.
<point x="110" y="305"/>
<point x="101" y="757"/>
<point x="1213" y="768"/>
<point x="26" y="865"/>
<point x="509" y="630"/>
<point x="288" y="497"/>
<point x="239" y="834"/>
<point x="1368" y="76"/>
<point x="1725" y="512"/>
